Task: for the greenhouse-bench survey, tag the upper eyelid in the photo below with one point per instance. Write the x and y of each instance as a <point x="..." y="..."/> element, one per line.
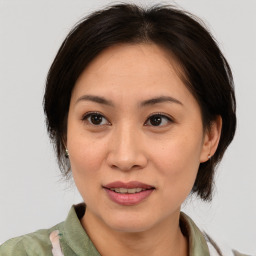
<point x="161" y="114"/>
<point x="91" y="113"/>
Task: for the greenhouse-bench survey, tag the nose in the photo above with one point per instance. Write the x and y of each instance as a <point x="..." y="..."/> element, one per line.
<point x="126" y="151"/>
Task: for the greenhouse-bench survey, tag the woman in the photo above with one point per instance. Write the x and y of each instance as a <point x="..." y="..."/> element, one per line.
<point x="140" y="106"/>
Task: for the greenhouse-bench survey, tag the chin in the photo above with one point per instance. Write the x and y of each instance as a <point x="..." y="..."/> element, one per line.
<point x="129" y="223"/>
<point x="129" y="227"/>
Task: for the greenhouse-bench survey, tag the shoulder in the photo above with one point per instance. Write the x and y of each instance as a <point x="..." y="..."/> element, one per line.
<point x="201" y="243"/>
<point x="37" y="243"/>
<point x="68" y="236"/>
<point x="219" y="249"/>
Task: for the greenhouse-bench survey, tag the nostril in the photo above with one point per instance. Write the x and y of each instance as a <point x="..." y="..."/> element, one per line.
<point x="126" y="160"/>
<point x="127" y="167"/>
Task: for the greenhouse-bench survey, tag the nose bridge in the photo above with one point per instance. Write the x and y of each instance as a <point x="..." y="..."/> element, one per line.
<point x="126" y="151"/>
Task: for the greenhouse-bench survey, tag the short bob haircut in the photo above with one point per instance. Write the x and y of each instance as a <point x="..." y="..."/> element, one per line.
<point x="204" y="70"/>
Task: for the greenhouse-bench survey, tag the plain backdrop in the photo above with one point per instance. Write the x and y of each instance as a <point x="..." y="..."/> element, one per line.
<point x="32" y="194"/>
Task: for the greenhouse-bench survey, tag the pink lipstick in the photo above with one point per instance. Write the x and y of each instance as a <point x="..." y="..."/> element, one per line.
<point x="130" y="193"/>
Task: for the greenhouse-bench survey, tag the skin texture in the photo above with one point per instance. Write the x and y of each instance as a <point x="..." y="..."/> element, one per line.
<point x="125" y="147"/>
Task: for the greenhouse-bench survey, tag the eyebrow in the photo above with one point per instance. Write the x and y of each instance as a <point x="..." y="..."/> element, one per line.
<point x="160" y="99"/>
<point x="96" y="99"/>
<point x="102" y="100"/>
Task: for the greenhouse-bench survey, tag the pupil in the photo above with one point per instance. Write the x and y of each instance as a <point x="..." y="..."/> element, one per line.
<point x="155" y="120"/>
<point x="96" y="119"/>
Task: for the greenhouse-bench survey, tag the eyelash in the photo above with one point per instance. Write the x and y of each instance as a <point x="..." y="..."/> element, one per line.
<point x="89" y="114"/>
<point x="161" y="115"/>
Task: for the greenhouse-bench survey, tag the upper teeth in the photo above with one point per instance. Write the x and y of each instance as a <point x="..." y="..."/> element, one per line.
<point x="127" y="190"/>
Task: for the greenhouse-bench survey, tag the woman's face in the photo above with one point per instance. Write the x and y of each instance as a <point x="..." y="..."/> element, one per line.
<point x="135" y="137"/>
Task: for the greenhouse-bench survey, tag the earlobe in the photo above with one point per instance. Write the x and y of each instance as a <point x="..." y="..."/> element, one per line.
<point x="211" y="139"/>
<point x="66" y="153"/>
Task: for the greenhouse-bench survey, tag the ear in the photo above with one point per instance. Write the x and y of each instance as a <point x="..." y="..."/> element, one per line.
<point x="211" y="139"/>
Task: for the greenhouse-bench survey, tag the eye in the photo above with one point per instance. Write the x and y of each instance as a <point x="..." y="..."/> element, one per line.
<point x="158" y="120"/>
<point x="95" y="118"/>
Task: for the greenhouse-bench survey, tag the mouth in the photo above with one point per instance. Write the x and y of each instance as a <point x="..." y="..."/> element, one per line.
<point x="127" y="190"/>
<point x="130" y="193"/>
<point x="131" y="187"/>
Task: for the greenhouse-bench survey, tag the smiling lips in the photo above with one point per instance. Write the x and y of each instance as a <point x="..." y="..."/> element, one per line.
<point x="127" y="190"/>
<point x="130" y="193"/>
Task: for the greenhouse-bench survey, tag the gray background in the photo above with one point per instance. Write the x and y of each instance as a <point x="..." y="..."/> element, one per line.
<point x="32" y="194"/>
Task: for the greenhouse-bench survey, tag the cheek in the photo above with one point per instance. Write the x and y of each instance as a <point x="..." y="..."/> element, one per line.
<point x="85" y="162"/>
<point x="84" y="151"/>
<point x="177" y="162"/>
<point x="177" y="153"/>
<point x="86" y="157"/>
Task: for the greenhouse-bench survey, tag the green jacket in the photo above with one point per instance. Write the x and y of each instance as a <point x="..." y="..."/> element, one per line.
<point x="70" y="239"/>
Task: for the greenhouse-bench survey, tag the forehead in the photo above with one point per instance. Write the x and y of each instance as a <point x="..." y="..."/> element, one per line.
<point x="130" y="55"/>
<point x="124" y="59"/>
<point x="142" y="70"/>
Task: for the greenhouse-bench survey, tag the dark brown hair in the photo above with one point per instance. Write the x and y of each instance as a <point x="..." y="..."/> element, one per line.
<point x="205" y="71"/>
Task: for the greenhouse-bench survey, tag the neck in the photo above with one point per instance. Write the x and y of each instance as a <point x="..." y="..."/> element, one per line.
<point x="165" y="239"/>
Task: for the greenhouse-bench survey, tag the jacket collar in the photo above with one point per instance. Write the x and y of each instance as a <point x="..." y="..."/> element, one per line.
<point x="197" y="243"/>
